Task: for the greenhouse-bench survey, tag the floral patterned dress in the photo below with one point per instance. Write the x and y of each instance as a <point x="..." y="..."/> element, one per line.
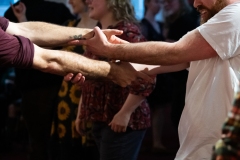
<point x="102" y="99"/>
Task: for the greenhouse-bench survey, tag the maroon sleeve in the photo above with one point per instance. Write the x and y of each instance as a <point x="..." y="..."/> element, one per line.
<point x="15" y="51"/>
<point x="3" y="23"/>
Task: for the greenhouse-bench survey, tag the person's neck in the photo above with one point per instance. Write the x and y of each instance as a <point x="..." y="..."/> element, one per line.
<point x="86" y="21"/>
<point x="107" y="21"/>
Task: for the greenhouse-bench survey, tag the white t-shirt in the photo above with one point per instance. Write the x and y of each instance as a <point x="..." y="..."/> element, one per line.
<point x="211" y="86"/>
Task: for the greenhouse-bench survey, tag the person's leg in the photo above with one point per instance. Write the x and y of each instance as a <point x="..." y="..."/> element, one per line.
<point x="118" y="146"/>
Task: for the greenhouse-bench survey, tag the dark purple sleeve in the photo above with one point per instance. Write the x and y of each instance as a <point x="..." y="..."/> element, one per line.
<point x="15" y="51"/>
<point x="3" y="23"/>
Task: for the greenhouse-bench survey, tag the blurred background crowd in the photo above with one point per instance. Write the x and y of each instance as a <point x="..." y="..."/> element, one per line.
<point x="39" y="110"/>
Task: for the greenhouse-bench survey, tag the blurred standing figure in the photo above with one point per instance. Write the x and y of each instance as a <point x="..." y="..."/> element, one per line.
<point x="120" y="115"/>
<point x="68" y="144"/>
<point x="38" y="89"/>
<point x="160" y="98"/>
<point x="179" y="19"/>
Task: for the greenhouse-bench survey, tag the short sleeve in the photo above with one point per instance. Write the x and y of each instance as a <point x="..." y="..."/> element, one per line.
<point x="222" y="31"/>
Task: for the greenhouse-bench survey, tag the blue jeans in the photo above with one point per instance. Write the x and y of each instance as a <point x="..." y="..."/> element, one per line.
<point x="117" y="146"/>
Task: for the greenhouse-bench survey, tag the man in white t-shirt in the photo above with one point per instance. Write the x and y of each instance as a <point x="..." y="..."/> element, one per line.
<point x="212" y="53"/>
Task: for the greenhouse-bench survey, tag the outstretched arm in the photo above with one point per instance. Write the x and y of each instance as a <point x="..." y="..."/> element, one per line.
<point x="51" y="35"/>
<point x="189" y="48"/>
<point x="62" y="62"/>
<point x="145" y="69"/>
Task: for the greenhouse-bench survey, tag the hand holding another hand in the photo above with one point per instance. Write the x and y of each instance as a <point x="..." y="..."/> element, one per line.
<point x="124" y="74"/>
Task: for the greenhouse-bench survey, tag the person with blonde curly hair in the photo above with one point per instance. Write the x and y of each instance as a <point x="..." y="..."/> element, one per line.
<point x="120" y="115"/>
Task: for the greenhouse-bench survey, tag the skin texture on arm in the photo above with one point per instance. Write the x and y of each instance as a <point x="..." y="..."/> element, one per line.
<point x="80" y="125"/>
<point x="62" y="62"/>
<point x="46" y="34"/>
<point x="50" y="35"/>
<point x="189" y="48"/>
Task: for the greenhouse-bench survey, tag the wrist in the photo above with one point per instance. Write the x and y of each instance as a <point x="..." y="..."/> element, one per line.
<point x="109" y="51"/>
<point x="126" y="113"/>
<point x="112" y="71"/>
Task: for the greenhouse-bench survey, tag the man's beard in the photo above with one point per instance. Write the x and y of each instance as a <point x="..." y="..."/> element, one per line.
<point x="220" y="4"/>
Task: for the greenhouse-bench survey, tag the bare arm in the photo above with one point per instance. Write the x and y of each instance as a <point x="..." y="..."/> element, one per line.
<point x="190" y="48"/>
<point x="46" y="34"/>
<point x="157" y="69"/>
<point x="62" y="62"/>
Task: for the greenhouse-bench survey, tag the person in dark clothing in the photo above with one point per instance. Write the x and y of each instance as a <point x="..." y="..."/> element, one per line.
<point x="39" y="89"/>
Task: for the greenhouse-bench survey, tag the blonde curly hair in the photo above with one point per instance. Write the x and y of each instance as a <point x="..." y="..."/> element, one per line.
<point x="122" y="10"/>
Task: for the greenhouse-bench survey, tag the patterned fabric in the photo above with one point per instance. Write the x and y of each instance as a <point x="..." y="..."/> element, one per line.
<point x="102" y="99"/>
<point x="67" y="106"/>
<point x="228" y="147"/>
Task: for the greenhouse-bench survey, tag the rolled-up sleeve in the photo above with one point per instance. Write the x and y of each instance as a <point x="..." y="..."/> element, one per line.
<point x="15" y="51"/>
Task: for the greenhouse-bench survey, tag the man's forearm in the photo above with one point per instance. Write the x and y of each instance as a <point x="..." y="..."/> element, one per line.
<point x="153" y="53"/>
<point x="191" y="47"/>
<point x="49" y="35"/>
<point x="62" y="62"/>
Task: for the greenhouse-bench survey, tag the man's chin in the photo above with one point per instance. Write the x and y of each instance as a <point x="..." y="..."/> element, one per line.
<point x="202" y="21"/>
